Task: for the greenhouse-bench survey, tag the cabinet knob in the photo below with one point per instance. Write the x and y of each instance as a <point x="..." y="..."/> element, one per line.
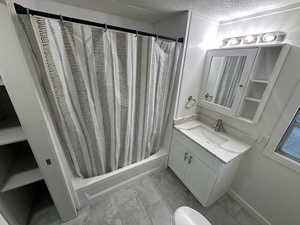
<point x="190" y="159"/>
<point x="185" y="156"/>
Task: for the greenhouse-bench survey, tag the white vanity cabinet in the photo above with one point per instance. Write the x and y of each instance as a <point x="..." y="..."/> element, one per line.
<point x="206" y="176"/>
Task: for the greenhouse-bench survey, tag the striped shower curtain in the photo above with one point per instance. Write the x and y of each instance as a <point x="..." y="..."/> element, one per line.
<point x="109" y="93"/>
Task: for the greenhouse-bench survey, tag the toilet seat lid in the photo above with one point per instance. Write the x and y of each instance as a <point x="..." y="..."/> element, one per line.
<point x="188" y="216"/>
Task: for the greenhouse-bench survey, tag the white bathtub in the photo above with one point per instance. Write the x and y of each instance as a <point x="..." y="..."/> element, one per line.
<point x="88" y="190"/>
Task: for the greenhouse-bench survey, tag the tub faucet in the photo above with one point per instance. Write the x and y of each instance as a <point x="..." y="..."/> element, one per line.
<point x="219" y="126"/>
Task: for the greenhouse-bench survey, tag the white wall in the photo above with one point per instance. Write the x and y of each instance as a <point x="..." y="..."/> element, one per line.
<point x="71" y="11"/>
<point x="200" y="33"/>
<point x="176" y="27"/>
<point x="269" y="187"/>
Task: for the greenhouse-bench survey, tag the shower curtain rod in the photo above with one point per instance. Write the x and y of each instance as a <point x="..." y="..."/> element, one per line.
<point x="22" y="10"/>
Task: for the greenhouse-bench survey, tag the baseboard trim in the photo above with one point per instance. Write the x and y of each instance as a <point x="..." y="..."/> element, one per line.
<point x="250" y="209"/>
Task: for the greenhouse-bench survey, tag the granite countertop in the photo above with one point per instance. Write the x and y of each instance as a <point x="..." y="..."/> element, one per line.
<point x="221" y="145"/>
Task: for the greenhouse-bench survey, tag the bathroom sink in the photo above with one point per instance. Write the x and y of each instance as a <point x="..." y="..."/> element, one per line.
<point x="221" y="144"/>
<point x="211" y="136"/>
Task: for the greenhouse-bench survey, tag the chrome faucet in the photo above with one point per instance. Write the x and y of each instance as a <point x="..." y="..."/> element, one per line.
<point x="219" y="126"/>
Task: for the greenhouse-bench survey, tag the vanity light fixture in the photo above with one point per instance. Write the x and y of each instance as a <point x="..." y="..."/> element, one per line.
<point x="234" y="41"/>
<point x="273" y="37"/>
<point x="268" y="37"/>
<point x="252" y="39"/>
<point x="224" y="42"/>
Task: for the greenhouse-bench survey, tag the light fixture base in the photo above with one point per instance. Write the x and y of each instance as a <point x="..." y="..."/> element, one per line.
<point x="254" y="39"/>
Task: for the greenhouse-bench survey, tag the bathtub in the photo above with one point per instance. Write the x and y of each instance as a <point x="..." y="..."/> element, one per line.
<point x="89" y="189"/>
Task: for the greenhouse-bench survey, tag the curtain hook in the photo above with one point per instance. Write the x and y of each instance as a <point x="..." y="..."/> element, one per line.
<point x="27" y="11"/>
<point x="61" y="18"/>
<point x="156" y="38"/>
<point x="136" y="33"/>
<point x="105" y="27"/>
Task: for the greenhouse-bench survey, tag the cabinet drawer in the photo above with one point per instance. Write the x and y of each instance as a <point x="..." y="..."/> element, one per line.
<point x="201" y="153"/>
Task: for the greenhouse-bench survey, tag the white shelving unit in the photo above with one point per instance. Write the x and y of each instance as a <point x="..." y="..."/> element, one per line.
<point x="19" y="172"/>
<point x="21" y="168"/>
<point x="266" y="68"/>
<point x="11" y="135"/>
<point x="23" y="172"/>
<point x="22" y="178"/>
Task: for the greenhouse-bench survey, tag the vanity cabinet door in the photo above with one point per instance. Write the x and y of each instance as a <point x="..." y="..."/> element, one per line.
<point x="178" y="158"/>
<point x="200" y="179"/>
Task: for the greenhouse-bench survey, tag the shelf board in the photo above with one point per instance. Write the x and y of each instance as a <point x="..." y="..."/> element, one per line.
<point x="253" y="99"/>
<point x="11" y="135"/>
<point x="260" y="81"/>
<point x="42" y="206"/>
<point x="24" y="171"/>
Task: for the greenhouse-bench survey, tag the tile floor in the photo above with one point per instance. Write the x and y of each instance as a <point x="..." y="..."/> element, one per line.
<point x="151" y="200"/>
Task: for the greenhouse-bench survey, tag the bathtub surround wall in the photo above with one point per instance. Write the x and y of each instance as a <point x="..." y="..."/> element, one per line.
<point x="269" y="188"/>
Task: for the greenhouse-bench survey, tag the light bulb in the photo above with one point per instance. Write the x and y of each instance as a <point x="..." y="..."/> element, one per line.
<point x="269" y="37"/>
<point x="233" y="41"/>
<point x="249" y="39"/>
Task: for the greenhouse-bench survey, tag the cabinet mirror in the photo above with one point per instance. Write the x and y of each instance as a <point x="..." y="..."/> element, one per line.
<point x="226" y="75"/>
<point x="224" y="79"/>
<point x="238" y="81"/>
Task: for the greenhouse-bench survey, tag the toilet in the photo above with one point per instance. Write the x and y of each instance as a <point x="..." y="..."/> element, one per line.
<point x="187" y="216"/>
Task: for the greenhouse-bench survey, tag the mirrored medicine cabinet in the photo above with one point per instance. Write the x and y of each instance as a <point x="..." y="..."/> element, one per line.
<point x="238" y="81"/>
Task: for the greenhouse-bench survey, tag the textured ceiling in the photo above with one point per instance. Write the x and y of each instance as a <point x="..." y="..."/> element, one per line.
<point x="154" y="10"/>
